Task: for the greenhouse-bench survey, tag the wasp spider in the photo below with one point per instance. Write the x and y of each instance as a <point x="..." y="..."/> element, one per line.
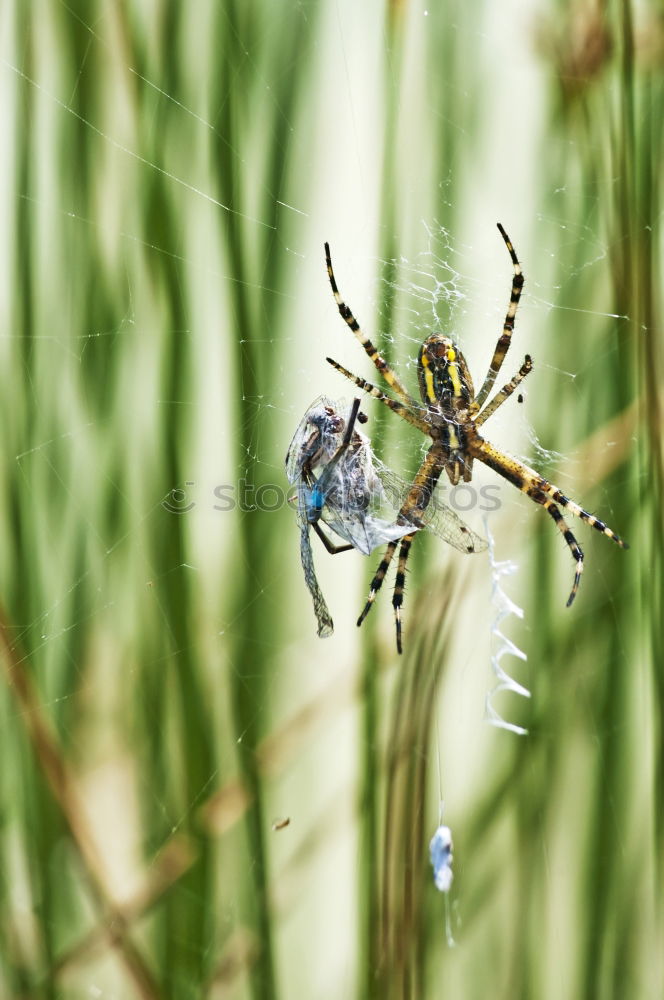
<point x="451" y="414"/>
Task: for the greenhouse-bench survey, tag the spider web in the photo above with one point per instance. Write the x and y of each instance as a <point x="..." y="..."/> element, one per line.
<point x="447" y="278"/>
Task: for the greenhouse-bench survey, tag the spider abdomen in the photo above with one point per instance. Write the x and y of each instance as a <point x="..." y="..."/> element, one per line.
<point x="457" y="459"/>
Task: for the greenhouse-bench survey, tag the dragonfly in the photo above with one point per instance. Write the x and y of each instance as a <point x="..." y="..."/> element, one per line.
<point x="345" y="496"/>
<point x="340" y="482"/>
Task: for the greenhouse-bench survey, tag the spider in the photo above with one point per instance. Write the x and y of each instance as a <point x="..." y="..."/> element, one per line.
<point x="451" y="414"/>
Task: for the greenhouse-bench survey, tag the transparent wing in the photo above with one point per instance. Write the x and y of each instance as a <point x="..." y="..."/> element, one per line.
<point x="362" y="529"/>
<point x="437" y="517"/>
<point x="321" y="610"/>
<point x="365" y="532"/>
<point x="316" y="439"/>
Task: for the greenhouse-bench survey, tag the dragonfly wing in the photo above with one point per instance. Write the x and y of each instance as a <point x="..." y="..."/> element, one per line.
<point x="365" y="532"/>
<point x="380" y="531"/>
<point x="446" y="524"/>
<point x="437" y="516"/>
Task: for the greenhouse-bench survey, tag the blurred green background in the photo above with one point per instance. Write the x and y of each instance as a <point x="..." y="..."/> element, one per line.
<point x="168" y="175"/>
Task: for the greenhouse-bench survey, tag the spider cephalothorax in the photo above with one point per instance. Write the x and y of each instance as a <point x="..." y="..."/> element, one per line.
<point x="451" y="415"/>
<point x="446" y="386"/>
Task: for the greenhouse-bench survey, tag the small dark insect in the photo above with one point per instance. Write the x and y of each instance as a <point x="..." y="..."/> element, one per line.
<point x="281" y="824"/>
<point x="451" y="414"/>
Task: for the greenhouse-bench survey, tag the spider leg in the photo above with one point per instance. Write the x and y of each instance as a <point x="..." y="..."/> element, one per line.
<point x="321" y="487"/>
<point x="506" y="336"/>
<point x="590" y="519"/>
<point x="418" y="499"/>
<point x="575" y="548"/>
<point x="397" y="598"/>
<point x="401" y="409"/>
<point x="505" y="392"/>
<point x="377" y="581"/>
<point x="531" y="483"/>
<point x="379" y="361"/>
<point x="545" y="493"/>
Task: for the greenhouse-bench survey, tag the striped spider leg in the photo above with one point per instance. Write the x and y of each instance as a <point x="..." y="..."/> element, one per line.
<point x="450" y="413"/>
